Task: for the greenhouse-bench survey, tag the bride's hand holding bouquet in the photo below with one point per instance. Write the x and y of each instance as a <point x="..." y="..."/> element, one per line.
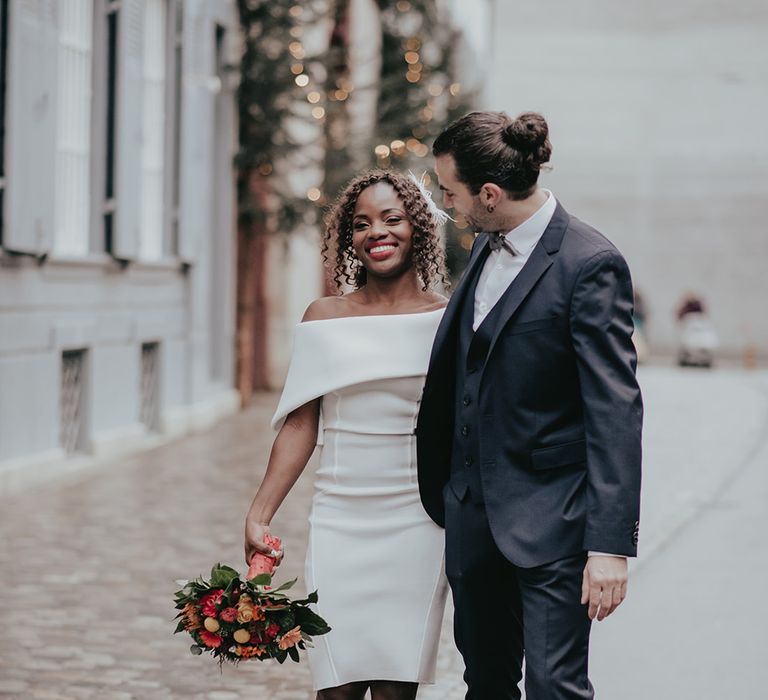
<point x="236" y="619"/>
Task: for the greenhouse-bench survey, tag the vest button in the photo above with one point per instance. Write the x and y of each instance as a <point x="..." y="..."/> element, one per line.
<point x="465" y="430"/>
<point x="466" y="400"/>
<point x="468" y="461"/>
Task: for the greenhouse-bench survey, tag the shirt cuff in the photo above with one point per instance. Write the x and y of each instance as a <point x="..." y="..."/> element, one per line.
<point x="605" y="554"/>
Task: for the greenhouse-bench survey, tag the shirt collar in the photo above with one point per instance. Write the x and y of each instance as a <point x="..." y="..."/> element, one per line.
<point x="526" y="235"/>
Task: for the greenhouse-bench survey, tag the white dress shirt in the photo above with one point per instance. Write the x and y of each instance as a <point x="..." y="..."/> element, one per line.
<point x="501" y="268"/>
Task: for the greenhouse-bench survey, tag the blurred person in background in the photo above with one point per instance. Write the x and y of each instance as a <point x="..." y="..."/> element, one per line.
<point x="530" y="423"/>
<point x="359" y="361"/>
<point x="697" y="338"/>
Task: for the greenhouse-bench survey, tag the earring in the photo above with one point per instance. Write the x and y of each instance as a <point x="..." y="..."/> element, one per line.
<point x="490" y="208"/>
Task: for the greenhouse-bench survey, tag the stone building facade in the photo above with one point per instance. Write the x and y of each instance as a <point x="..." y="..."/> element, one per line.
<point x="117" y="239"/>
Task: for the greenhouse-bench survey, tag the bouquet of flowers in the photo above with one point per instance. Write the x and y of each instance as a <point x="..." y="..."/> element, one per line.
<point x="237" y="619"/>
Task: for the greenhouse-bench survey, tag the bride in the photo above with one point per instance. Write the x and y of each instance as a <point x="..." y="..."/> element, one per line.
<point x="355" y="378"/>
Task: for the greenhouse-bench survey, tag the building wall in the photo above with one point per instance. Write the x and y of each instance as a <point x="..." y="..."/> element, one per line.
<point x="168" y="276"/>
<point x="657" y="115"/>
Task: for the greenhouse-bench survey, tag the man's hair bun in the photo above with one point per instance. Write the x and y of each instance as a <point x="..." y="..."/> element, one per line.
<point x="527" y="132"/>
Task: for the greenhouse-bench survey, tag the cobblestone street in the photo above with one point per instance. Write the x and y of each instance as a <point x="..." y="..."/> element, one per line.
<point x="87" y="565"/>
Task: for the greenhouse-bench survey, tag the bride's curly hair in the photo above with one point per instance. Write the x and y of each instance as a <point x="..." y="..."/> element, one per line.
<point x="340" y="259"/>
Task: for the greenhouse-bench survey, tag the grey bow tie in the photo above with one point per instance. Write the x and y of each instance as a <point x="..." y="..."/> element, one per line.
<point x="497" y="241"/>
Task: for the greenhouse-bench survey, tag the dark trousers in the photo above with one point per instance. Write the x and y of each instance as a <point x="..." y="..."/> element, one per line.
<point x="504" y="613"/>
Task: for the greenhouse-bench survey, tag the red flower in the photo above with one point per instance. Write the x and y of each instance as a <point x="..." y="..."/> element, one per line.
<point x="209" y="601"/>
<point x="210" y="639"/>
<point x="229" y="614"/>
<point x="272" y="629"/>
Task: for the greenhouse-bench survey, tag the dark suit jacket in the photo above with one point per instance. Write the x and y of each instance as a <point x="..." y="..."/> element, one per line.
<point x="560" y="411"/>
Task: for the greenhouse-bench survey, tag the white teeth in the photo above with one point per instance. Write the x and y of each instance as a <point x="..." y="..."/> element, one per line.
<point x="381" y="248"/>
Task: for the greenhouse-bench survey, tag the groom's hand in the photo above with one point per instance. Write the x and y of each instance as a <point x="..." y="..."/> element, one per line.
<point x="604" y="585"/>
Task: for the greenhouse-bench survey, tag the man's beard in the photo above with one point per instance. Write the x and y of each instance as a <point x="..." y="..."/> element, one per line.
<point x="478" y="223"/>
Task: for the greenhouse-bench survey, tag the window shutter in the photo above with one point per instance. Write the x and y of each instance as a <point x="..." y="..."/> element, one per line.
<point x="129" y="124"/>
<point x="153" y="166"/>
<point x="73" y="139"/>
<point x="197" y="120"/>
<point x="31" y="137"/>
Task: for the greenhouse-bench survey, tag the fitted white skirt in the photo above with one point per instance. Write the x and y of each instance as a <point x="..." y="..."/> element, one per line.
<point x="376" y="559"/>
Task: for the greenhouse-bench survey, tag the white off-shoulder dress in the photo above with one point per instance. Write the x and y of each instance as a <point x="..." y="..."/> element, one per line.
<point x="374" y="555"/>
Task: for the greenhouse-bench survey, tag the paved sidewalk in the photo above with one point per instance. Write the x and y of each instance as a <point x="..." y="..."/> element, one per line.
<point x="694" y="624"/>
<point x="87" y="567"/>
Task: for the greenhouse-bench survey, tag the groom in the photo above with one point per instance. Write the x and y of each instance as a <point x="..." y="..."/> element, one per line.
<point x="530" y="422"/>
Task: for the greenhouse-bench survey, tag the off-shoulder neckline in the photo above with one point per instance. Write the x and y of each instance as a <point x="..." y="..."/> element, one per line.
<point x="346" y="318"/>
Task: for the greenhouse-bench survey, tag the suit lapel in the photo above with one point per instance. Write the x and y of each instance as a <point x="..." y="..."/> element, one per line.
<point x="540" y="260"/>
<point x="536" y="266"/>
<point x="453" y="310"/>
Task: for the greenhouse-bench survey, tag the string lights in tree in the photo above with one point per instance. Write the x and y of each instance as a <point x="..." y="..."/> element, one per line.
<point x="419" y="95"/>
<point x="280" y="83"/>
<point x="418" y="92"/>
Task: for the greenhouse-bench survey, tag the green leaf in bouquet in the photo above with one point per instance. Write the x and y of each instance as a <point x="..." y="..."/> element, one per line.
<point x="186" y="591"/>
<point x="179" y="628"/>
<point x="260" y="580"/>
<point x="281" y="655"/>
<point x="293" y="652"/>
<point x="232" y="587"/>
<point x="268" y="598"/>
<point x="198" y="584"/>
<point x="221" y="576"/>
<point x="285" y="586"/>
<point x="310" y="621"/>
<point x="193" y="590"/>
<point x="287" y="620"/>
<point x="311" y="598"/>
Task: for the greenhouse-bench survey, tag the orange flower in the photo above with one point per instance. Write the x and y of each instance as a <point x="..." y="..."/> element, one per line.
<point x="244" y="609"/>
<point x="191" y="618"/>
<point x="245" y="652"/>
<point x="247" y="611"/>
<point x="290" y="639"/>
<point x="210" y="639"/>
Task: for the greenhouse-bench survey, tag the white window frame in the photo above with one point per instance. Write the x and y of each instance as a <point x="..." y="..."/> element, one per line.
<point x="73" y="129"/>
<point x="154" y="130"/>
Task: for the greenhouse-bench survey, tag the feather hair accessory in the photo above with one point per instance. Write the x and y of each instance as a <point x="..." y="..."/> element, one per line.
<point x="440" y="216"/>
